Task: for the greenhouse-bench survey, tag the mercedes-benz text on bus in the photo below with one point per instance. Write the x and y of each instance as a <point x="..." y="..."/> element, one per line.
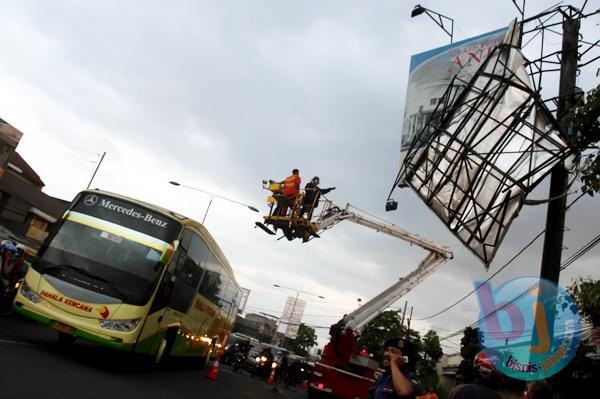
<point x="132" y="276"/>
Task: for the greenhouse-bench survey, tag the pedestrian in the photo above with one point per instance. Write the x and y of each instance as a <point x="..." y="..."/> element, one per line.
<point x="312" y="193"/>
<point x="291" y="188"/>
<point x="487" y="379"/>
<point x="12" y="269"/>
<point x="399" y="378"/>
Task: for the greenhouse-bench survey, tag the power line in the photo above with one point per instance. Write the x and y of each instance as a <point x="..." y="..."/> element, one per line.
<point x="498" y="271"/>
<point x="568" y="262"/>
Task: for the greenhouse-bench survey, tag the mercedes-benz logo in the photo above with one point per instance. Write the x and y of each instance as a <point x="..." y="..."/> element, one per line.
<point x="90" y="200"/>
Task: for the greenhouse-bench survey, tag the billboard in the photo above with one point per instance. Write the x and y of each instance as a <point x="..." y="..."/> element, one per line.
<point x="476" y="165"/>
<point x="243" y="300"/>
<point x="430" y="75"/>
<point x="291" y="317"/>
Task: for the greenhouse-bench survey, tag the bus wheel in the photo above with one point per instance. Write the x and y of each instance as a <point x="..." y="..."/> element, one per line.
<point x="65" y="339"/>
<point x="164" y="349"/>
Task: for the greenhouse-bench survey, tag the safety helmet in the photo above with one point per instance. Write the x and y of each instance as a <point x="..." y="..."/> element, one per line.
<point x="20" y="249"/>
<point x="485" y="366"/>
<point x="316" y="180"/>
<point x="7" y="245"/>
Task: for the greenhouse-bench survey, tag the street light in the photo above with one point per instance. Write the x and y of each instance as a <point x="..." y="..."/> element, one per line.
<point x="213" y="196"/>
<point x="419" y="9"/>
<point x="295" y="301"/>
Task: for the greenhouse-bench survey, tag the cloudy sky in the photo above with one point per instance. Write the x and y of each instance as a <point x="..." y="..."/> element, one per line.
<point x="220" y="95"/>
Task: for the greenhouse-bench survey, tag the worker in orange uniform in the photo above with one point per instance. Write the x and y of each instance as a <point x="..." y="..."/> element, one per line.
<point x="291" y="188"/>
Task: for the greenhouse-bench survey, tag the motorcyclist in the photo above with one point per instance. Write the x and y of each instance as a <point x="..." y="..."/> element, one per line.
<point x="12" y="269"/>
<point x="263" y="367"/>
<point x="240" y="353"/>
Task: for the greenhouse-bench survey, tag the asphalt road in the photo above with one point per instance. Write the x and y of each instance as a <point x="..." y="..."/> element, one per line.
<point x="33" y="365"/>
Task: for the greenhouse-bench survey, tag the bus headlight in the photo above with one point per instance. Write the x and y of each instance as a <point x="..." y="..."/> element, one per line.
<point x="30" y="294"/>
<point x="120" y="325"/>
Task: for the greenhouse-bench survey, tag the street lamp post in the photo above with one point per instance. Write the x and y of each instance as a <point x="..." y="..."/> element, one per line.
<point x="213" y="196"/>
<point x="419" y="9"/>
<point x="295" y="301"/>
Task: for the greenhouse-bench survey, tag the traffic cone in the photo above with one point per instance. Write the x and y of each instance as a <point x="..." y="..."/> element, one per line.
<point x="213" y="370"/>
<point x="305" y="384"/>
<point x="271" y="378"/>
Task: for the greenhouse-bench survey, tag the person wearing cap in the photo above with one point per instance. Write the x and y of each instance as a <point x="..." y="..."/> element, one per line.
<point x="312" y="193"/>
<point x="398" y="380"/>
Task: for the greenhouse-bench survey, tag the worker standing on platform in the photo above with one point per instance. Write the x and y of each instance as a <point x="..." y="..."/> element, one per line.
<point x="312" y="193"/>
<point x="291" y="188"/>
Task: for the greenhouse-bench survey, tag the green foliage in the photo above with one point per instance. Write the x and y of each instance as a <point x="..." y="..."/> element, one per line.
<point x="469" y="347"/>
<point x="431" y="347"/>
<point x="385" y="326"/>
<point x="580" y="376"/>
<point x="584" y="122"/>
<point x="431" y="353"/>
<point x="427" y="374"/>
<point x="305" y="340"/>
<point x="586" y="293"/>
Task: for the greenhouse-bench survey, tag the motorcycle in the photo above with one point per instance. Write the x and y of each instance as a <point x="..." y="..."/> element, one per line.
<point x="263" y="366"/>
<point x="239" y="360"/>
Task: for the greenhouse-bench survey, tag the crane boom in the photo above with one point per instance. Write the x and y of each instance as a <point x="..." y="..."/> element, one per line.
<point x="438" y="255"/>
<point x="344" y="371"/>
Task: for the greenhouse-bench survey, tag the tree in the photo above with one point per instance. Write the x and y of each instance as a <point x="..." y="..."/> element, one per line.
<point x="431" y="354"/>
<point x="586" y="293"/>
<point x="305" y="339"/>
<point x="383" y="327"/>
<point x="431" y="347"/>
<point x="584" y="121"/>
<point x="469" y="347"/>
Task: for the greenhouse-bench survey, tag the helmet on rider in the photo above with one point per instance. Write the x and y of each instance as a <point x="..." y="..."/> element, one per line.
<point x="485" y="367"/>
<point x="8" y="245"/>
<point x="315" y="180"/>
<point x="20" y="250"/>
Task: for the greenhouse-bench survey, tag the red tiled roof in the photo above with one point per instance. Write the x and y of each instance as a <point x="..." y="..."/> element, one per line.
<point x="28" y="171"/>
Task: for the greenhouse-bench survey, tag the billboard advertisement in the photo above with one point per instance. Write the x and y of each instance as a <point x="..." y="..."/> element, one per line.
<point x="291" y="317"/>
<point x="430" y="75"/>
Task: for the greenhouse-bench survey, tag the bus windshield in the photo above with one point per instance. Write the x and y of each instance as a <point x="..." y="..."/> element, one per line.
<point x="100" y="255"/>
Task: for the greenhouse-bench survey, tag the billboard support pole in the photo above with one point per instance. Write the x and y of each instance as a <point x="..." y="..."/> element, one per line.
<point x="555" y="216"/>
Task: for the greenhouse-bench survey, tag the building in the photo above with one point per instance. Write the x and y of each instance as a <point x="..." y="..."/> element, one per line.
<point x="25" y="211"/>
<point x="257" y="326"/>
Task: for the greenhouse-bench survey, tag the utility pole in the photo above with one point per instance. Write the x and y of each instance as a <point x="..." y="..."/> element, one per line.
<point x="555" y="217"/>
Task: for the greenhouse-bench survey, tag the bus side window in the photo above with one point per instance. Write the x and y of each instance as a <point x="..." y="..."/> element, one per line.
<point x="178" y="287"/>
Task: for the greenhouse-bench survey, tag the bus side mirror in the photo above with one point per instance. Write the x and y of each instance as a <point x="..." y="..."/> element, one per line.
<point x="167" y="254"/>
